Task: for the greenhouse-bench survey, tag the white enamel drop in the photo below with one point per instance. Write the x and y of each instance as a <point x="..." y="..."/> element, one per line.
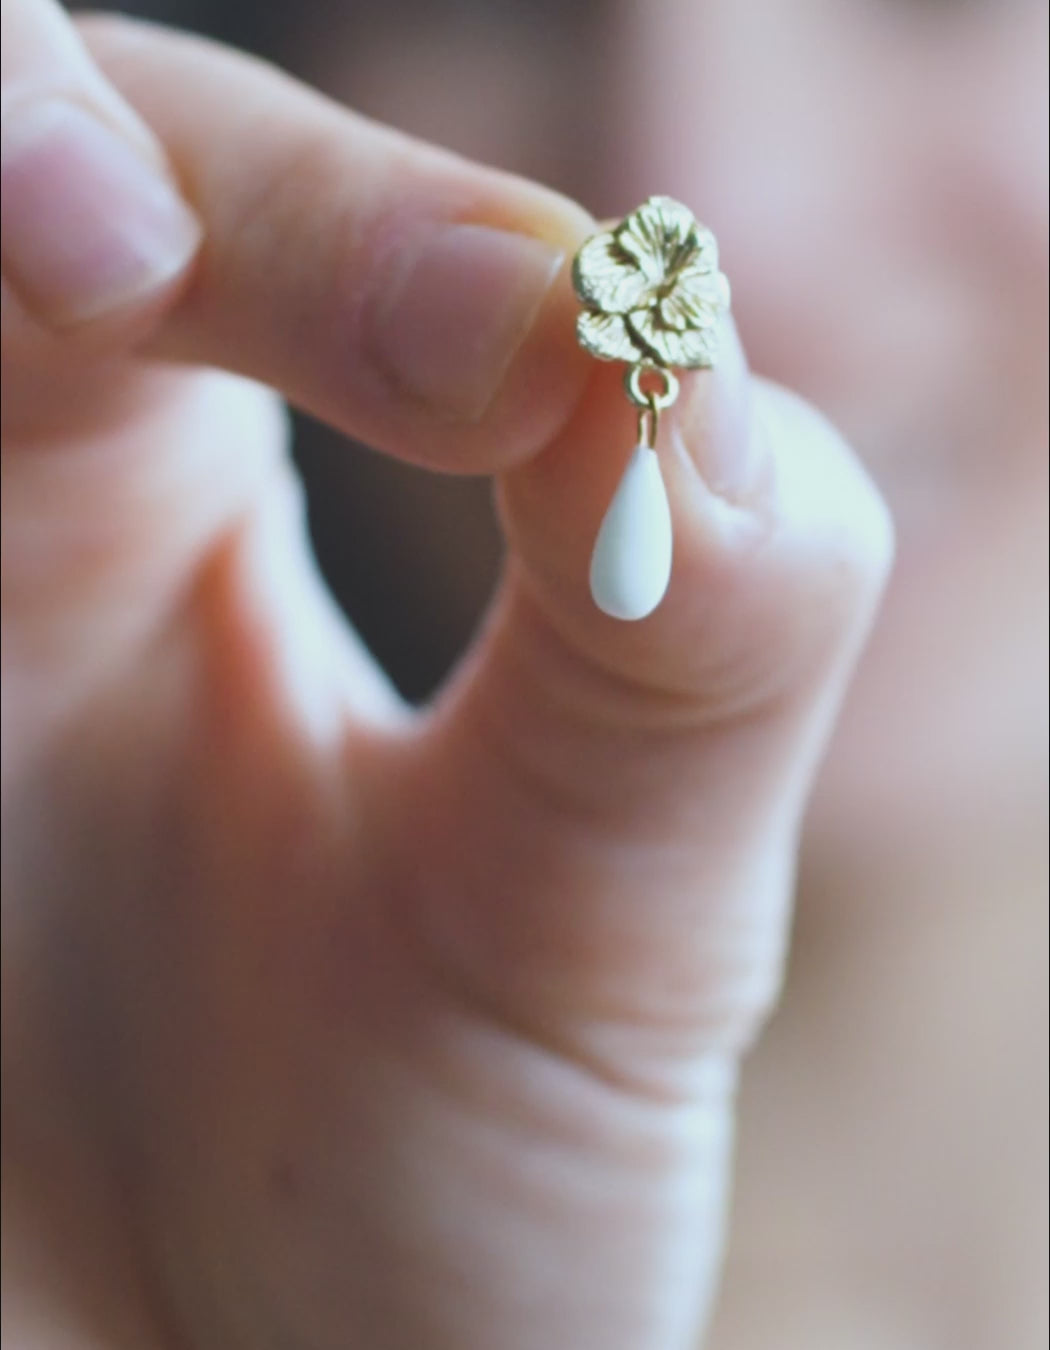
<point x="631" y="562"/>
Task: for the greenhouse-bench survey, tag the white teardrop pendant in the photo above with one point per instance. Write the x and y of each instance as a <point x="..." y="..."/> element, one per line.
<point x="631" y="562"/>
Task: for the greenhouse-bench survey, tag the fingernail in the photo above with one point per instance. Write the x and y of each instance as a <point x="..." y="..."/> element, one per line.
<point x="461" y="302"/>
<point x="88" y="223"/>
<point x="716" y="428"/>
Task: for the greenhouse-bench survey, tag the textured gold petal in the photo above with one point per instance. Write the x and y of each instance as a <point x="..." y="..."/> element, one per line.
<point x="606" y="336"/>
<point x="701" y="264"/>
<point x="606" y="278"/>
<point x="661" y="236"/>
<point x="696" y="300"/>
<point x="704" y="257"/>
<point x="689" y="349"/>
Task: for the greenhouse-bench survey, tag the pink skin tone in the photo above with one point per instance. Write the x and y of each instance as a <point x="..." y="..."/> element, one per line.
<point x="879" y="183"/>
<point x="329" y="1024"/>
<point x="877" y="176"/>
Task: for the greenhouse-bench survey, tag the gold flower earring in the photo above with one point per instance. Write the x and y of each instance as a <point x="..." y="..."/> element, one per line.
<point x="653" y="296"/>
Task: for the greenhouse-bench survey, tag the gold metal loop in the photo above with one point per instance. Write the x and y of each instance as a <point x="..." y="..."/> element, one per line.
<point x="650" y="402"/>
<point x="653" y="400"/>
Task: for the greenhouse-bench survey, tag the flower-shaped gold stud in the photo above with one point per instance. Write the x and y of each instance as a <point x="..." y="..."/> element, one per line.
<point x="653" y="296"/>
<point x="651" y="289"/>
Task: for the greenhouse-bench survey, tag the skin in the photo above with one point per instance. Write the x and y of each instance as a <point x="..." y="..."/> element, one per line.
<point x="892" y="1163"/>
<point x="876" y="173"/>
<point x="331" y="1024"/>
<point x="334" y="1024"/>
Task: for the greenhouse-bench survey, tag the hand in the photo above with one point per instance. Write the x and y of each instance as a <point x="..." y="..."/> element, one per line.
<point x="333" y="1024"/>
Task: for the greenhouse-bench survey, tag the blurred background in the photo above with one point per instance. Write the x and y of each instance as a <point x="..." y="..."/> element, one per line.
<point x="876" y="173"/>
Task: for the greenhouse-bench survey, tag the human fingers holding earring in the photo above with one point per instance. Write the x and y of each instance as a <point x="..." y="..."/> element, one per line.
<point x="384" y="1027"/>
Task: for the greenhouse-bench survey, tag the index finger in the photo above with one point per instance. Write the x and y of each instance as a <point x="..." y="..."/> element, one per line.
<point x="412" y="299"/>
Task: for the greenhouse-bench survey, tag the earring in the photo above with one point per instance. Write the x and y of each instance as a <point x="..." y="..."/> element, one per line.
<point x="653" y="296"/>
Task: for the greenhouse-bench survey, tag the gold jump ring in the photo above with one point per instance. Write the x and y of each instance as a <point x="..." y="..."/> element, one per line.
<point x="655" y="400"/>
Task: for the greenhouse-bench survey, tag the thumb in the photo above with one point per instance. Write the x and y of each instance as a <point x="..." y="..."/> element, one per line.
<point x="621" y="800"/>
<point x="94" y="227"/>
